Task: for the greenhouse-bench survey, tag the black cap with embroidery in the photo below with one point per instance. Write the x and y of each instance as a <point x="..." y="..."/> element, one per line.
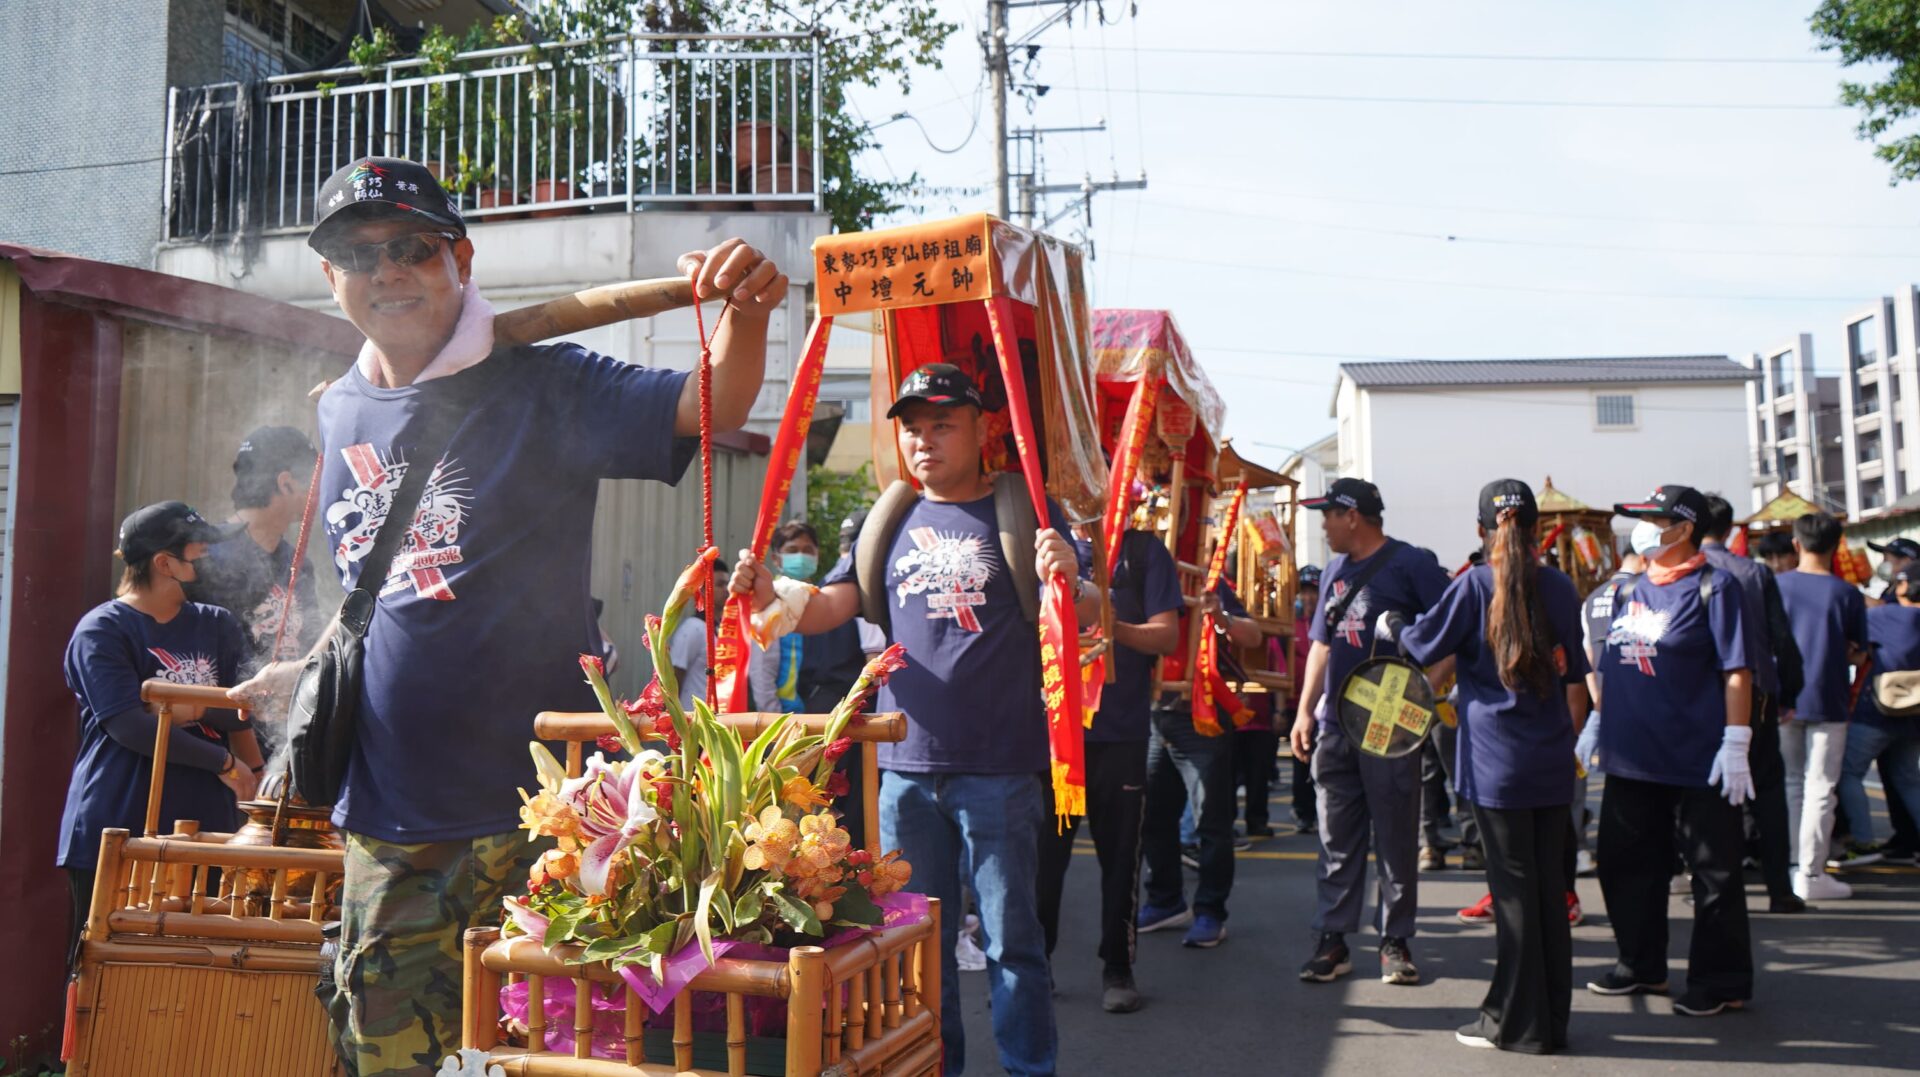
<point x="1357" y="494"/>
<point x="381" y="188"/>
<point x="1502" y="494"/>
<point x="1900" y="547"/>
<point x="937" y="383"/>
<point x="168" y="525"/>
<point x="1668" y="502"/>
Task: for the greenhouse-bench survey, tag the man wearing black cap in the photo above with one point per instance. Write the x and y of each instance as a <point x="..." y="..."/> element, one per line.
<point x="965" y="795"/>
<point x="1363" y="799"/>
<point x="491" y="574"/>
<point x="1904" y="847"/>
<point x="1776" y="676"/>
<point x="1896" y="554"/>
<point x="151" y="631"/>
<point x="270" y="473"/>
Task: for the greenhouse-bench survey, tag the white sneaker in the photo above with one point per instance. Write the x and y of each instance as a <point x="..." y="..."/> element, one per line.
<point x="1681" y="884"/>
<point x="1820" y="888"/>
<point x="966" y="952"/>
<point x="1583" y="864"/>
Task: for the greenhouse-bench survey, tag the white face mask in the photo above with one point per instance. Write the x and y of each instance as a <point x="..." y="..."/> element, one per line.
<point x="1646" y="540"/>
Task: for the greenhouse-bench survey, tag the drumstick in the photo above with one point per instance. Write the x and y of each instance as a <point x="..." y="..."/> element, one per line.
<point x="587" y="309"/>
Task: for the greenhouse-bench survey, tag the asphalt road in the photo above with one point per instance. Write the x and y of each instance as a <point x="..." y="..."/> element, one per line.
<point x="1838" y="988"/>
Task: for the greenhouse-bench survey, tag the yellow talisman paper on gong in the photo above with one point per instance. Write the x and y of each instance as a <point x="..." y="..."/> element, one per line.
<point x="1380" y="721"/>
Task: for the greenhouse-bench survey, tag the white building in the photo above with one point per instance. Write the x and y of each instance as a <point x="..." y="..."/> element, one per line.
<point x="1313" y="467"/>
<point x="1430" y="433"/>
<point x="1842" y="436"/>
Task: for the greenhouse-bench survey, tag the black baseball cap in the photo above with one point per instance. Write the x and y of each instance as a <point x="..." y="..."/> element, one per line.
<point x="168" y="525"/>
<point x="1309" y="575"/>
<point x="271" y="450"/>
<point x="1900" y="547"/>
<point x="1357" y="494"/>
<point x="1669" y="503"/>
<point x="381" y="188"/>
<point x="937" y="383"/>
<point x="1503" y="494"/>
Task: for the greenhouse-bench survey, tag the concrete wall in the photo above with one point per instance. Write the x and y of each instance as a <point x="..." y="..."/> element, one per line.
<point x="84" y="82"/>
<point x="1430" y="452"/>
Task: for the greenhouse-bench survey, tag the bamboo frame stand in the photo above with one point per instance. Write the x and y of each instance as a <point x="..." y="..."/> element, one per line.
<point x="870" y="1006"/>
<point x="180" y="972"/>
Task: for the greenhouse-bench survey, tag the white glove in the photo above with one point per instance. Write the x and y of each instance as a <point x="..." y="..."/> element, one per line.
<point x="1588" y="744"/>
<point x="782" y="615"/>
<point x="1730" y="771"/>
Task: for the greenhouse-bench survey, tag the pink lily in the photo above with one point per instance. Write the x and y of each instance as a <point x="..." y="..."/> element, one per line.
<point x="610" y="801"/>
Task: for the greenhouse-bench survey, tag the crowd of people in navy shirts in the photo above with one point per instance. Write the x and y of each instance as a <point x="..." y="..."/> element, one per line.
<point x="1735" y="705"/>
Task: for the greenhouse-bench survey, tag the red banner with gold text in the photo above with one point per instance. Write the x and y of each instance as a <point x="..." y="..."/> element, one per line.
<point x="1209" y="688"/>
<point x="1059" y="624"/>
<point x="728" y="693"/>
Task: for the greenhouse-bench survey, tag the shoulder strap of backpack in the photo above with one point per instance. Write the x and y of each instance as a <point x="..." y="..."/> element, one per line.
<point x="870" y="558"/>
<point x="1013" y="513"/>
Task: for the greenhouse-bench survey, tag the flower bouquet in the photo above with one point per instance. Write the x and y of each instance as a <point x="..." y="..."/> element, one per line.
<point x="698" y="834"/>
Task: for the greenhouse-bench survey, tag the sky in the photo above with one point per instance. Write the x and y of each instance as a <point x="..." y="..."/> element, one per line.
<point x="1290" y="226"/>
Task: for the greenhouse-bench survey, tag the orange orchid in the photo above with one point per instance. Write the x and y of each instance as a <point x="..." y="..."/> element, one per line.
<point x="772" y="838"/>
<point x="547" y="816"/>
<point x="890" y="873"/>
<point x="803" y="794"/>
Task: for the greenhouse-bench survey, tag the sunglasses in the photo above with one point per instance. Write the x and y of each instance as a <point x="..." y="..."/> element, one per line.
<point x="403" y="251"/>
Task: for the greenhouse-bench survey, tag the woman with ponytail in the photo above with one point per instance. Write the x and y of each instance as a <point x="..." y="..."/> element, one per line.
<point x="1514" y="628"/>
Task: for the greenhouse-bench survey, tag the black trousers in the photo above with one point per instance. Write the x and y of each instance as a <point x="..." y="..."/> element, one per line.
<point x="1638" y="839"/>
<point x="1116" y="804"/>
<point x="80" y="888"/>
<point x="1531" y="996"/>
<point x="1254" y="763"/>
<point x="1769" y="805"/>
<point x="1306" y="802"/>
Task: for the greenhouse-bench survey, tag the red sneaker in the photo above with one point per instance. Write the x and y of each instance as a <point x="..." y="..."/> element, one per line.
<point x="1574" y="916"/>
<point x="1480" y="912"/>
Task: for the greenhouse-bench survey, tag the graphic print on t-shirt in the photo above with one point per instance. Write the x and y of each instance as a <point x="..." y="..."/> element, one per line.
<point x="1637" y="633"/>
<point x="264" y="621"/>
<point x="951" y="570"/>
<point x="1353" y="620"/>
<point x="186" y="668"/>
<point x="431" y="544"/>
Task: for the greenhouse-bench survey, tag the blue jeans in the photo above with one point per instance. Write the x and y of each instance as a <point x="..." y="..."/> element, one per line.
<point x="1901" y="769"/>
<point x="1187" y="769"/>
<point x="982" y="830"/>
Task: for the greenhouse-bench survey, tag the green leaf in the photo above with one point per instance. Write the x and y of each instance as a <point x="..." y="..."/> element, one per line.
<point x="855" y="907"/>
<point x="798" y="914"/>
<point x="748" y="908"/>
<point x="702" y="924"/>
<point x="607" y="949"/>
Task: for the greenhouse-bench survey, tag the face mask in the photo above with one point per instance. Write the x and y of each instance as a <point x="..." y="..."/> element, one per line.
<point x="800" y="566"/>
<point x="1646" y="540"/>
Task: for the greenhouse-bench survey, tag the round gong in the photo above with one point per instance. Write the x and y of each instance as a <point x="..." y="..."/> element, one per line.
<point x="1386" y="707"/>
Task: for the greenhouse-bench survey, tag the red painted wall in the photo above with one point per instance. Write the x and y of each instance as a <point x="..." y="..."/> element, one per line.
<point x="62" y="549"/>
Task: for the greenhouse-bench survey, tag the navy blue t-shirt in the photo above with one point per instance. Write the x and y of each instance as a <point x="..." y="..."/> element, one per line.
<point x="1893" y="632"/>
<point x="485" y="612"/>
<point x="1827" y="614"/>
<point x="971" y="688"/>
<point x="1515" y="748"/>
<point x="1146" y="582"/>
<point x="1662" y="667"/>
<point x="1410" y="583"/>
<point x="251" y="583"/>
<point x="114" y="648"/>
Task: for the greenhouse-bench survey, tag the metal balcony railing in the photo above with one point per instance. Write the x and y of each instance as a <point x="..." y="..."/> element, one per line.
<point x="643" y="122"/>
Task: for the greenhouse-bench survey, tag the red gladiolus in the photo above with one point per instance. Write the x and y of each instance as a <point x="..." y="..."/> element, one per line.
<point x="591" y="664"/>
<point x="609" y="742"/>
<point x="838" y="748"/>
<point x="887" y="662"/>
<point x="652" y="702"/>
<point x="837" y="784"/>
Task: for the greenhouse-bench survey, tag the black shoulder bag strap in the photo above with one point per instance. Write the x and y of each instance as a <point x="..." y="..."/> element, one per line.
<point x="1337" y="608"/>
<point x="323" y="716"/>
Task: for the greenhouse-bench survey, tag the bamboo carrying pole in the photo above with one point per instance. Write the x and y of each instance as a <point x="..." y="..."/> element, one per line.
<point x="808" y="968"/>
<point x="592" y="308"/>
<point x="164" y="695"/>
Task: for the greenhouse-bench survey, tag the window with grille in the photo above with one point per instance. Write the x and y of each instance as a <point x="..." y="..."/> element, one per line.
<point x="1613" y="410"/>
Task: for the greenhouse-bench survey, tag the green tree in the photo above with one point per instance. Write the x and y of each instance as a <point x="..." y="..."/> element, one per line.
<point x="1879" y="31"/>
<point x="832" y="496"/>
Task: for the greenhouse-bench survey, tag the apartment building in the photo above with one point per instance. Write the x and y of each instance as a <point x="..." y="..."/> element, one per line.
<point x="1793" y="413"/>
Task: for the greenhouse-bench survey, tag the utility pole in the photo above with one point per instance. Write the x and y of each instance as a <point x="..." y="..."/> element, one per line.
<point x="997" y="64"/>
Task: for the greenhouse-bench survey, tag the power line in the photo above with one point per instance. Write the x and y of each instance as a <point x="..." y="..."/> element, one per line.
<point x="79" y="168"/>
<point x="1487" y="286"/>
<point x="1504" y="241"/>
<point x="1717" y="106"/>
<point x="1550" y="214"/>
<point x="1559" y="58"/>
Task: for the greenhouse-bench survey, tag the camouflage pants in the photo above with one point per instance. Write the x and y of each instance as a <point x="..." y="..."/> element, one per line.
<point x="395" y="1002"/>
